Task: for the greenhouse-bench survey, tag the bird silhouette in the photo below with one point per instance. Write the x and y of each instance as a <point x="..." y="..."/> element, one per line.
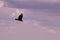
<point x="20" y="17"/>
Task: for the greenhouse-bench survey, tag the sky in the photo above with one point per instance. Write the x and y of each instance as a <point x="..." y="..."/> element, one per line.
<point x="41" y="20"/>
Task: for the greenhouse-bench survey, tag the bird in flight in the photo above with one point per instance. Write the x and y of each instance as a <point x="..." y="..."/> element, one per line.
<point x="20" y="17"/>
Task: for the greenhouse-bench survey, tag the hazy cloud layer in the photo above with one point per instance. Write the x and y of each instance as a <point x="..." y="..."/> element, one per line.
<point x="33" y="5"/>
<point x="47" y="6"/>
<point x="28" y="30"/>
<point x="46" y="19"/>
<point x="52" y="6"/>
<point x="41" y="20"/>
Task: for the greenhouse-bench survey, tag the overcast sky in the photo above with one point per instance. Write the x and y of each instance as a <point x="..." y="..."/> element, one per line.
<point x="41" y="20"/>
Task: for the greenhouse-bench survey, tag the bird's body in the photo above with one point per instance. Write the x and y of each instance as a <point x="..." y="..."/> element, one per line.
<point x="20" y="17"/>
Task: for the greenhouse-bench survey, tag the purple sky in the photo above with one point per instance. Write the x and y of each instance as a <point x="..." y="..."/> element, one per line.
<point x="41" y="20"/>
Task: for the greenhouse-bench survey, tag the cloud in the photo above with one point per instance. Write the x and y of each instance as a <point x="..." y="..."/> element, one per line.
<point x="33" y="5"/>
<point x="37" y="0"/>
<point x="46" y="19"/>
<point x="51" y="6"/>
<point x="1" y="4"/>
<point x="12" y="26"/>
<point x="49" y="30"/>
<point x="33" y="27"/>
